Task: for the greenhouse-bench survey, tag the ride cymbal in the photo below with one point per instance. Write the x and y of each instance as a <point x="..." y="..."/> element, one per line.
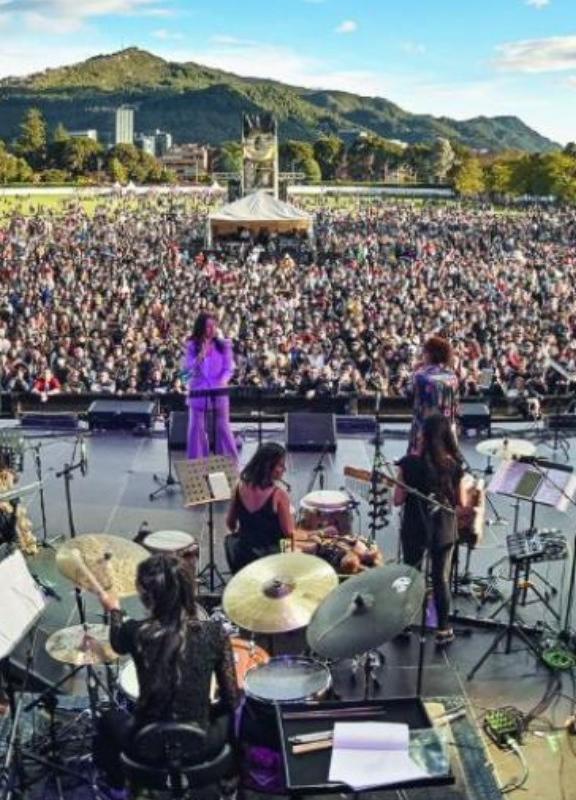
<point x="278" y="593"/>
<point x="98" y="560"/>
<point x="366" y="610"/>
<point x="81" y="645"/>
<point x="505" y="448"/>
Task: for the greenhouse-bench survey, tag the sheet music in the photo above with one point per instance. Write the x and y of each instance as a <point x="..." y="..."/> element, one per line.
<point x="367" y="754"/>
<point x="550" y="487"/>
<point x="219" y="486"/>
<point x="21" y="602"/>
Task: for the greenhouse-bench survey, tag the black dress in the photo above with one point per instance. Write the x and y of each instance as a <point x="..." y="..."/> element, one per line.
<point x="259" y="532"/>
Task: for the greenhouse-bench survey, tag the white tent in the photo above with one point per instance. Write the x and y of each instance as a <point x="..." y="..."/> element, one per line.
<point x="257" y="211"/>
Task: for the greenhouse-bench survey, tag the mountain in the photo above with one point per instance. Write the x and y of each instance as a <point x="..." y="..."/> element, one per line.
<point x="200" y="104"/>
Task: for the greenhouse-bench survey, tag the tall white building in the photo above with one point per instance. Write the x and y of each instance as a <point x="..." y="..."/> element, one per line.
<point x="124" y="125"/>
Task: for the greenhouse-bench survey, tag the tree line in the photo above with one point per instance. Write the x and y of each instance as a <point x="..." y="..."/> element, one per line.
<point x="40" y="155"/>
<point x="56" y="157"/>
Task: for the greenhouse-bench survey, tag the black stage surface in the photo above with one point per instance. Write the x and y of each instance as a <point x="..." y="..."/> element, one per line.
<point x="114" y="498"/>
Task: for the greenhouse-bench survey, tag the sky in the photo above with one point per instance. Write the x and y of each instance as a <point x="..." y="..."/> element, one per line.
<point x="456" y="58"/>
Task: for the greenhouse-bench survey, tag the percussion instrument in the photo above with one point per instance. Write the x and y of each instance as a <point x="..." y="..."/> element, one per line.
<point x="278" y="593"/>
<point x="288" y="679"/>
<point x="81" y="645"/>
<point x="505" y="448"/>
<point x="347" y="554"/>
<point x="366" y="610"/>
<point x="179" y="543"/>
<point x="98" y="561"/>
<point x="324" y="509"/>
<point x="472" y="514"/>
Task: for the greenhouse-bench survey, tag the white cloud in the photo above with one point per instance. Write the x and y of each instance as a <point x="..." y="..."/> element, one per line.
<point x="27" y="58"/>
<point x="66" y="16"/>
<point x="232" y="41"/>
<point x="413" y="48"/>
<point x="348" y="26"/>
<point x="538" y="3"/>
<point x="165" y="35"/>
<point x="538" y="55"/>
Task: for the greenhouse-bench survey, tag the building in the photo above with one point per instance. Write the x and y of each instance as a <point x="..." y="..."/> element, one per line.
<point x="146" y="143"/>
<point x="124" y="129"/>
<point x="163" y="142"/>
<point x="188" y="161"/>
<point x="89" y="133"/>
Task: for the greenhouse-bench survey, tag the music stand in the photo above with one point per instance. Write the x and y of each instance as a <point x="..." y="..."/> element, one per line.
<point x="205" y="481"/>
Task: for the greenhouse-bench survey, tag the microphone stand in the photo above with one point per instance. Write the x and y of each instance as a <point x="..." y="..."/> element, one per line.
<point x="318" y="470"/>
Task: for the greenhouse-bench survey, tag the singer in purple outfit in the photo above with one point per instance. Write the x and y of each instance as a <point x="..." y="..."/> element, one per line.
<point x="209" y="362"/>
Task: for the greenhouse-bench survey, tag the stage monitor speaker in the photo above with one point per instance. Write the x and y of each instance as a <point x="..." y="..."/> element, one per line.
<point x="310" y="432"/>
<point x="120" y="414"/>
<point x="561" y="422"/>
<point x="475" y="416"/>
<point x="178" y="430"/>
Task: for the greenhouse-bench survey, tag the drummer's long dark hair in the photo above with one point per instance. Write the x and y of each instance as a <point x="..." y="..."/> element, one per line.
<point x="166" y="586"/>
<point x="442" y="457"/>
<point x="199" y="330"/>
<point x="258" y="471"/>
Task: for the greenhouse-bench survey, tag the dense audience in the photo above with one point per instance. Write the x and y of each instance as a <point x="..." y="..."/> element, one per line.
<point x="104" y="302"/>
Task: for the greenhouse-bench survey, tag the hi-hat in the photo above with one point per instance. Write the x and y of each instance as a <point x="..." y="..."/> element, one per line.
<point x="506" y="448"/>
<point x="278" y="593"/>
<point x="366" y="610"/>
<point x="81" y="645"/>
<point x="97" y="561"/>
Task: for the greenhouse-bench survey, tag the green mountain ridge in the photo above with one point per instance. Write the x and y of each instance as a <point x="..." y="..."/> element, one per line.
<point x="201" y="104"/>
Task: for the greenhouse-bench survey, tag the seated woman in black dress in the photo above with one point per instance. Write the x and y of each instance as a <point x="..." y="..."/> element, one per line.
<point x="175" y="656"/>
<point x="436" y="470"/>
<point x="259" y="515"/>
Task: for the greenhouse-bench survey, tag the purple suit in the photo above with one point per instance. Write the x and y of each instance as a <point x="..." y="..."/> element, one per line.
<point x="212" y="372"/>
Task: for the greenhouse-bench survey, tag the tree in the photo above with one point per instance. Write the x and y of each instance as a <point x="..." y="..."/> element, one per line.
<point x="498" y="177"/>
<point x="311" y="169"/>
<point x="117" y="171"/>
<point x="329" y="153"/>
<point x="293" y="153"/>
<point x="442" y="158"/>
<point x="32" y="141"/>
<point x="468" y="177"/>
<point x="229" y="157"/>
<point x="80" y="155"/>
<point x="561" y="169"/>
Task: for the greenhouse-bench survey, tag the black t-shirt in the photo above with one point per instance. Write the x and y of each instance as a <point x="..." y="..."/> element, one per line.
<point x="419" y="515"/>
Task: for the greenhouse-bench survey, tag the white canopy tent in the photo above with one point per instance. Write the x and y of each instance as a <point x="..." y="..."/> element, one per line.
<point x="257" y="211"/>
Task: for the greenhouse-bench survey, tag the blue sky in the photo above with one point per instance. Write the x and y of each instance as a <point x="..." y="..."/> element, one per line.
<point x="459" y="58"/>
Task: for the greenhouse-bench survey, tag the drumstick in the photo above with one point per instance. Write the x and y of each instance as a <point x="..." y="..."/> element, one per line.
<point x="311" y="747"/>
<point x="96" y="585"/>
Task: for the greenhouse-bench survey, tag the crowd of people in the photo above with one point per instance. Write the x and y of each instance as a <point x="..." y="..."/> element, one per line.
<point x="104" y="302"/>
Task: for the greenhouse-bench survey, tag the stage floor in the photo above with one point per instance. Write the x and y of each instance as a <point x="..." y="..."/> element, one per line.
<point x="114" y="498"/>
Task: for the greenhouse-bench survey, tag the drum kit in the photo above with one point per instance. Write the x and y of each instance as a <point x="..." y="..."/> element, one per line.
<point x="274" y="595"/>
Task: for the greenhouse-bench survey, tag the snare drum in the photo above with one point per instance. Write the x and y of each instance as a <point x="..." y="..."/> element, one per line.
<point x="247" y="656"/>
<point x="288" y="679"/>
<point x="179" y="543"/>
<point x="324" y="508"/>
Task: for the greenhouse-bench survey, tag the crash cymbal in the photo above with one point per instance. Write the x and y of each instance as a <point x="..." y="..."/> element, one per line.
<point x="278" y="593"/>
<point x="96" y="560"/>
<point x="366" y="610"/>
<point x="81" y="645"/>
<point x="505" y="448"/>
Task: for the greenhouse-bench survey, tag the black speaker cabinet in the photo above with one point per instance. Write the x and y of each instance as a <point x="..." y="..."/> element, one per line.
<point x="475" y="416"/>
<point x="178" y="430"/>
<point x="120" y="414"/>
<point x="311" y="432"/>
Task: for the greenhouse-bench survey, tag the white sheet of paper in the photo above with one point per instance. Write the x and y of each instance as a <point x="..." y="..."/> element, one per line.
<point x="366" y="754"/>
<point x="21" y="601"/>
<point x="219" y="486"/>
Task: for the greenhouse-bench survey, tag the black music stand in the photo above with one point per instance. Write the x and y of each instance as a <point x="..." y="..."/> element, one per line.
<point x="201" y="487"/>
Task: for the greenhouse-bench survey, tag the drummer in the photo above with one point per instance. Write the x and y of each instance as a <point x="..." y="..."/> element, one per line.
<point x="175" y="655"/>
<point x="260" y="515"/>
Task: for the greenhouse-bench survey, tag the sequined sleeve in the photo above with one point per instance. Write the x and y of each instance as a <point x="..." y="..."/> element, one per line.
<point x="226" y="673"/>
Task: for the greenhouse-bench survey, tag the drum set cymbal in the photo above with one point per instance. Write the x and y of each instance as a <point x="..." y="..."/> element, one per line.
<point x="278" y="593"/>
<point x="505" y="448"/>
<point x="81" y="645"/>
<point x="366" y="611"/>
<point x="100" y="562"/>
